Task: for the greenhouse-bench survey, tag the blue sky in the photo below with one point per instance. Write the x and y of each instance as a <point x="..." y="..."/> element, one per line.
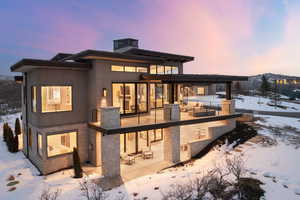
<point x="225" y="36"/>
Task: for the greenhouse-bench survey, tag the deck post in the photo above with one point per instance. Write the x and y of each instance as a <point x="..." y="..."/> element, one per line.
<point x="110" y="144"/>
<point x="172" y="134"/>
<point x="228" y="91"/>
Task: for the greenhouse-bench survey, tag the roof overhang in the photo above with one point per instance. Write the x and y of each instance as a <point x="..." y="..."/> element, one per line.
<point x="192" y="78"/>
<point x="29" y="64"/>
<point x="162" y="55"/>
<point x="113" y="56"/>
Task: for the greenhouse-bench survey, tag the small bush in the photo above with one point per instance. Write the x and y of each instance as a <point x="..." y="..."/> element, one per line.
<point x="12" y="141"/>
<point x="5" y="132"/>
<point x="91" y="191"/>
<point x="76" y="164"/>
<point x="47" y="194"/>
<point x="250" y="189"/>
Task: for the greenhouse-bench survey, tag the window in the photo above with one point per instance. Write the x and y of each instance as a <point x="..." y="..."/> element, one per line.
<point x="33" y="98"/>
<point x="117" y="68"/>
<point x="63" y="143"/>
<point x="130" y="69"/>
<point x="175" y="70"/>
<point x="56" y="98"/>
<point x="201" y="91"/>
<point x="168" y="70"/>
<point x="142" y="69"/>
<point x="160" y="69"/>
<point x="152" y="69"/>
<point x="40" y="144"/>
<point x="130" y="97"/>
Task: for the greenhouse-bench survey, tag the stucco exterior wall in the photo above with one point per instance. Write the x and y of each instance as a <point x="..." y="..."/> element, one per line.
<point x="44" y="77"/>
<point x="51" y="164"/>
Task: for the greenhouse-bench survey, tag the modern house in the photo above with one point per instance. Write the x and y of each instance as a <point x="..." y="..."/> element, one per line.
<point x="122" y="110"/>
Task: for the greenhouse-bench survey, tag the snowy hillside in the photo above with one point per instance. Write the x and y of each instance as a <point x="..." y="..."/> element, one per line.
<point x="274" y="163"/>
<point x="248" y="102"/>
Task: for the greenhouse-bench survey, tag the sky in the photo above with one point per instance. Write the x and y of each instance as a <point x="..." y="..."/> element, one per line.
<point x="238" y="37"/>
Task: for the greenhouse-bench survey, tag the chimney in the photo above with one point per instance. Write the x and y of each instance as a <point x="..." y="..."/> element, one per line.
<point x="122" y="45"/>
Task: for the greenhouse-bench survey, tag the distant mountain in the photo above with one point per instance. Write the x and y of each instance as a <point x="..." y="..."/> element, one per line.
<point x="255" y="81"/>
<point x="5" y="77"/>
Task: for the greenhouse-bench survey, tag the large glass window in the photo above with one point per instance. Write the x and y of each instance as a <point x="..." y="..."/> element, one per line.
<point x="118" y="96"/>
<point x="130" y="97"/>
<point x="117" y="68"/>
<point x="129" y="106"/>
<point x="63" y="143"/>
<point x="152" y="95"/>
<point x="33" y="98"/>
<point x="142" y="97"/>
<point x="166" y="93"/>
<point x="40" y="144"/>
<point x="159" y="95"/>
<point x="56" y="98"/>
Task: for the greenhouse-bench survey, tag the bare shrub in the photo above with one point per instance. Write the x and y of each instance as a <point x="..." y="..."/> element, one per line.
<point x="92" y="191"/>
<point x="47" y="194"/>
<point x="179" y="192"/>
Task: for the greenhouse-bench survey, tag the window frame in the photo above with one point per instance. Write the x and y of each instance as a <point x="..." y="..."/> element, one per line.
<point x="32" y="88"/>
<point x="54" y="85"/>
<point x="60" y="133"/>
<point x="37" y="144"/>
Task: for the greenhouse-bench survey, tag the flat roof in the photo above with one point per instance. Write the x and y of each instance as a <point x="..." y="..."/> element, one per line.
<point x="107" y="55"/>
<point x="28" y="64"/>
<point x="192" y="78"/>
<point x="157" y="54"/>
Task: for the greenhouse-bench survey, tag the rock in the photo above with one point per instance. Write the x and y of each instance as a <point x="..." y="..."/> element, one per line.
<point x="10" y="178"/>
<point x="145" y="198"/>
<point x="12" y="189"/>
<point x="268" y="175"/>
<point x="156" y="188"/>
<point x="285" y="186"/>
<point x="12" y="183"/>
<point x="253" y="173"/>
<point x="297" y="191"/>
<point x="19" y="174"/>
<point x="135" y="194"/>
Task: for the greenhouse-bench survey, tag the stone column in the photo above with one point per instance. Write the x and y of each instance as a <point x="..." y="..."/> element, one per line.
<point x="228" y="107"/>
<point x="172" y="134"/>
<point x="110" y="144"/>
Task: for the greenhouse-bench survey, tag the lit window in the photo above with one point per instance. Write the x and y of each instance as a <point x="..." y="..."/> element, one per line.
<point x="174" y="70"/>
<point x="33" y="98"/>
<point x="59" y="144"/>
<point x="142" y="69"/>
<point x="160" y="69"/>
<point x="201" y="91"/>
<point x="117" y="68"/>
<point x="152" y="69"/>
<point x="130" y="69"/>
<point x="56" y="98"/>
<point x="168" y="70"/>
<point x="40" y="144"/>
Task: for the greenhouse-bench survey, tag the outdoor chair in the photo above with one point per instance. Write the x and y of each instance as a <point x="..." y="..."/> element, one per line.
<point x="128" y="159"/>
<point x="147" y="153"/>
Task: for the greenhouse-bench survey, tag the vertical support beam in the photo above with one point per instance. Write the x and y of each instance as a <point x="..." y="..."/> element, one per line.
<point x="172" y="94"/>
<point x="172" y="134"/>
<point x="110" y="144"/>
<point x="228" y="91"/>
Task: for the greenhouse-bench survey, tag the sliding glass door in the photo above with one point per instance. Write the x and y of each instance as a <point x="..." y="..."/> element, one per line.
<point x="130" y="97"/>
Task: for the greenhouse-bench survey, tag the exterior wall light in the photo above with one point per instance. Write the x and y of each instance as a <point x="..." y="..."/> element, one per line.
<point x="104" y="92"/>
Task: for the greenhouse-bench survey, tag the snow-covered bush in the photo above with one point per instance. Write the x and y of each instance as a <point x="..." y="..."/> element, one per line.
<point x="47" y="194"/>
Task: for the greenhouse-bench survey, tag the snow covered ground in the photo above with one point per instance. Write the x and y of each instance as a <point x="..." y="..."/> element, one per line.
<point x="276" y="165"/>
<point x="248" y="102"/>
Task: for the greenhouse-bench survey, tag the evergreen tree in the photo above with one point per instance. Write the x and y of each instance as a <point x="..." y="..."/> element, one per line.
<point x="15" y="147"/>
<point x="10" y="140"/>
<point x="76" y="164"/>
<point x="17" y="127"/>
<point x="5" y="133"/>
<point x="265" y="86"/>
